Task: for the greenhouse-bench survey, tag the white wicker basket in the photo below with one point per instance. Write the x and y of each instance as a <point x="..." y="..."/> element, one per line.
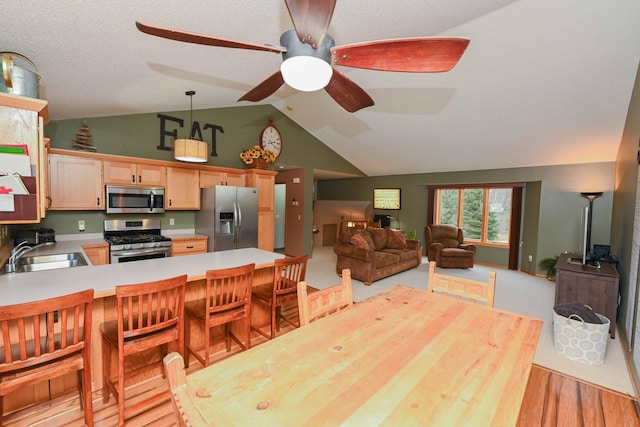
<point x="577" y="340"/>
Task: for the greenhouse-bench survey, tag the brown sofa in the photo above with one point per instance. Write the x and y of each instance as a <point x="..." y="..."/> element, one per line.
<point x="445" y="246"/>
<point x="375" y="253"/>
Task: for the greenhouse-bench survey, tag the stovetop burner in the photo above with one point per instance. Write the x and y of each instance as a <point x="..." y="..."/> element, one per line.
<point x="134" y="234"/>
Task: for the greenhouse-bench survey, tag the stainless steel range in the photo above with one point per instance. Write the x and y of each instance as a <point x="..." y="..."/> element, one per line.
<point x="134" y="240"/>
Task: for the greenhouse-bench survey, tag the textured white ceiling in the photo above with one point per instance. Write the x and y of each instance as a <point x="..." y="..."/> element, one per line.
<point x="542" y="81"/>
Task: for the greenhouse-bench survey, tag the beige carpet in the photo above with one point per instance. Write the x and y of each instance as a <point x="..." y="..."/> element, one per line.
<point x="515" y="291"/>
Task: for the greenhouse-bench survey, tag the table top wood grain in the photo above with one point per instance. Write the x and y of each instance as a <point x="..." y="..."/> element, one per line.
<point x="403" y="357"/>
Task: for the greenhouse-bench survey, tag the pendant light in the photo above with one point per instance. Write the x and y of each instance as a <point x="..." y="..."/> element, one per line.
<point x="190" y="150"/>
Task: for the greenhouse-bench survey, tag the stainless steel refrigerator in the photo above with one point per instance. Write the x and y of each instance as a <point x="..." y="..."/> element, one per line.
<point x="229" y="217"/>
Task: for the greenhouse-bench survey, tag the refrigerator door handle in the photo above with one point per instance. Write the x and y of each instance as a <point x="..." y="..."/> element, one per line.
<point x="239" y="223"/>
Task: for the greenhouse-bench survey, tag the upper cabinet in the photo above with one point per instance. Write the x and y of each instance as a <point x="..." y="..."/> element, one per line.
<point x="75" y="183"/>
<point x="209" y="178"/>
<point x="125" y="173"/>
<point x="22" y="122"/>
<point x="183" y="189"/>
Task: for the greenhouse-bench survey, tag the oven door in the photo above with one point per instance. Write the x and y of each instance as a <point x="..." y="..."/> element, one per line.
<point x="139" y="254"/>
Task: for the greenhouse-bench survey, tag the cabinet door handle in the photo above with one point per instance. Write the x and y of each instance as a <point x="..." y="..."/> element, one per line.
<point x="98" y="200"/>
<point x="189" y="247"/>
<point x="139" y="178"/>
<point x="133" y="179"/>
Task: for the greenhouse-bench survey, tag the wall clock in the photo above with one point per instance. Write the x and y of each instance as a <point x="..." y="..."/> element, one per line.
<point x="270" y="139"/>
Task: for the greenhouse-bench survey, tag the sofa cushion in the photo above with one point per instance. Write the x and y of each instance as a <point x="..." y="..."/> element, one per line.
<point x="379" y="237"/>
<point x="396" y="239"/>
<point x="402" y="254"/>
<point x="363" y="240"/>
<point x="384" y="259"/>
<point x="456" y="253"/>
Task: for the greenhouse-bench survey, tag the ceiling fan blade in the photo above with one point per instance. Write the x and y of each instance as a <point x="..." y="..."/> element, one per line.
<point x="345" y="92"/>
<point x="189" y="37"/>
<point x="311" y="18"/>
<point x="264" y="88"/>
<point x="415" y="55"/>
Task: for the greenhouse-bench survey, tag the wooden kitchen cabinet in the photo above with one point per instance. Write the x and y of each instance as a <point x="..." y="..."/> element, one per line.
<point x="264" y="181"/>
<point x="75" y="183"/>
<point x="188" y="245"/>
<point x="98" y="254"/>
<point x="595" y="287"/>
<point x="22" y="121"/>
<point x="125" y="173"/>
<point x="183" y="189"/>
<point x="209" y="178"/>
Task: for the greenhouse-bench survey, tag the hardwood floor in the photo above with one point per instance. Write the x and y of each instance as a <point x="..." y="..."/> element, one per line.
<point x="551" y="399"/>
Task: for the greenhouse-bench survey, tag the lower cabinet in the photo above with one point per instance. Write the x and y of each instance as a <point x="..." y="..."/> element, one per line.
<point x="188" y="245"/>
<point x="98" y="254"/>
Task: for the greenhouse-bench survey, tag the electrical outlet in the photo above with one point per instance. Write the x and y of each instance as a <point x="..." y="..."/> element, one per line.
<point x="81" y="225"/>
<point x="172" y="221"/>
<point x="530" y="258"/>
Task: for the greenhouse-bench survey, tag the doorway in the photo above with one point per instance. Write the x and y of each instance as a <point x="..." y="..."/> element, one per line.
<point x="279" y="211"/>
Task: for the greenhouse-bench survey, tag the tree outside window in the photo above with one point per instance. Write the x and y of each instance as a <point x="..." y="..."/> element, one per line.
<point x="483" y="213"/>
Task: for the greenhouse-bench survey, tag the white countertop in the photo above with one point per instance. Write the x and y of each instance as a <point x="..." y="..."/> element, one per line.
<point x="19" y="288"/>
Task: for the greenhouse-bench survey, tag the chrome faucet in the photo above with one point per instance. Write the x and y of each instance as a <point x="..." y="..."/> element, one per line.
<point x="17" y="253"/>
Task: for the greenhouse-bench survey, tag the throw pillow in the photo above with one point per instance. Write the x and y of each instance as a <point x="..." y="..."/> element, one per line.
<point x="396" y="239"/>
<point x="362" y="240"/>
<point x="379" y="237"/>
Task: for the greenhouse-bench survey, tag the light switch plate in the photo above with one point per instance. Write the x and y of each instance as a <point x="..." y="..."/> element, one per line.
<point x="81" y="225"/>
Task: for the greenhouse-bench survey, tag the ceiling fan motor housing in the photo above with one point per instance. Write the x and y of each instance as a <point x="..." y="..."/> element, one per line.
<point x="295" y="47"/>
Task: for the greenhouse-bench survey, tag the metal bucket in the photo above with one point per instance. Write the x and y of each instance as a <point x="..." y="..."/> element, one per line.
<point x="19" y="81"/>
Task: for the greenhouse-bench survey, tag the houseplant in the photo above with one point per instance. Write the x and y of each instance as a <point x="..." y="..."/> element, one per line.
<point x="257" y="157"/>
<point x="549" y="265"/>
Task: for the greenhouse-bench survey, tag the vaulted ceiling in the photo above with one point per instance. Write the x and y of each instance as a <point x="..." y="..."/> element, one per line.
<point x="542" y="81"/>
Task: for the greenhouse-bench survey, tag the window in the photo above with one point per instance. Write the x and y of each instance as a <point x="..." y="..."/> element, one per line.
<point x="484" y="213"/>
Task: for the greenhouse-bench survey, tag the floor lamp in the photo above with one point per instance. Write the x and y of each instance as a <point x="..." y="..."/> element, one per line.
<point x="590" y="196"/>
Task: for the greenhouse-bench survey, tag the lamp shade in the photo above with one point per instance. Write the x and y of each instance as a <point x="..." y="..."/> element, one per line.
<point x="190" y="150"/>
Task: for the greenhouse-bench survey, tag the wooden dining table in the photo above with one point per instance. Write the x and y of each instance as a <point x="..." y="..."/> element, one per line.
<point x="405" y="357"/>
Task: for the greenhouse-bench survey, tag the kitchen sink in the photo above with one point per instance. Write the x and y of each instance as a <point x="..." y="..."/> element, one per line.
<point x="44" y="259"/>
<point x="50" y="262"/>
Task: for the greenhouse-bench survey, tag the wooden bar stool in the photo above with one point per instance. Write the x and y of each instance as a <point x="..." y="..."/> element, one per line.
<point x="227" y="299"/>
<point x="149" y="315"/>
<point x="287" y="273"/>
<point x="47" y="339"/>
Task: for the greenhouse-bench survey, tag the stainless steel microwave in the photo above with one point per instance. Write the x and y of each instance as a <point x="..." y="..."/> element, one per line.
<point x="123" y="199"/>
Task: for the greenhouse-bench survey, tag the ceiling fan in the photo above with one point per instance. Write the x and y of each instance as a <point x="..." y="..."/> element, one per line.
<point x="309" y="54"/>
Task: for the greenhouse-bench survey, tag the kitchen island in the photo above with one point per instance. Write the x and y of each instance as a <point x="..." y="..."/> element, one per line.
<point x="19" y="288"/>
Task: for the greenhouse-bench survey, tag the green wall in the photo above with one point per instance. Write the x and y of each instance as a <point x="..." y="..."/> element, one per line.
<point x="138" y="135"/>
<point x="624" y="206"/>
<point x="552" y="204"/>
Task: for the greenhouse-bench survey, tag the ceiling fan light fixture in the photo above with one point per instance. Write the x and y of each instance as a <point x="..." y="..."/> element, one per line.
<point x="306" y="73"/>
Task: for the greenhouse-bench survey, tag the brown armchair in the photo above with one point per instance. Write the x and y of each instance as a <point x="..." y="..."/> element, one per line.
<point x="445" y="246"/>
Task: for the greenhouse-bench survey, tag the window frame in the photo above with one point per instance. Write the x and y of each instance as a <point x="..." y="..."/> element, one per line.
<point x="485" y="210"/>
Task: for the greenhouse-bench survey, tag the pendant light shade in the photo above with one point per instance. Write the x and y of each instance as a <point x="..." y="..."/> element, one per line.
<point x="190" y="150"/>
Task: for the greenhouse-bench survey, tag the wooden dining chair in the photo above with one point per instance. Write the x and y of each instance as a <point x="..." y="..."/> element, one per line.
<point x="227" y="299"/>
<point x="287" y="272"/>
<point x="472" y="290"/>
<point x="149" y="315"/>
<point x="182" y="397"/>
<point x="312" y="306"/>
<point x="46" y="339"/>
